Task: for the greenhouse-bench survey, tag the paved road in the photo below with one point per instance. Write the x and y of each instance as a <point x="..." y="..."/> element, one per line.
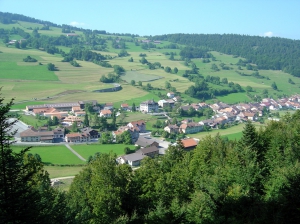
<point x="75" y="153"/>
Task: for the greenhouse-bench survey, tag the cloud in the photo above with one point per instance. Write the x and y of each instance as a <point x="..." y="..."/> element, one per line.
<point x="268" y="34"/>
<point x="74" y="23"/>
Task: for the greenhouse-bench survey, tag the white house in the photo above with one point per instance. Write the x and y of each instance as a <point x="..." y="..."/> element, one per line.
<point x="105" y="113"/>
<point x="149" y="106"/>
<point x="133" y="159"/>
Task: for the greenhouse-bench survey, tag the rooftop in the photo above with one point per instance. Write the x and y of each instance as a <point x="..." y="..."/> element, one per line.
<point x="189" y="142"/>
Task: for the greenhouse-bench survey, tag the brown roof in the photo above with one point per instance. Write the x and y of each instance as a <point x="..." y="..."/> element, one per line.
<point x="76" y="108"/>
<point x="106" y="112"/>
<point x="173" y="126"/>
<point x="33" y="132"/>
<point x="249" y="114"/>
<point x="124" y="105"/>
<point x="190" y="142"/>
<point x="188" y="125"/>
<point x="44" y="110"/>
<point x="73" y="135"/>
<point x="135" y="123"/>
<point x="148" y="150"/>
<point x="46" y="138"/>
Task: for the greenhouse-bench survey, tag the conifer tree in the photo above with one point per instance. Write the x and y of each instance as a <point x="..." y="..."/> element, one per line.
<point x="25" y="192"/>
<point x="249" y="138"/>
<point x="86" y="121"/>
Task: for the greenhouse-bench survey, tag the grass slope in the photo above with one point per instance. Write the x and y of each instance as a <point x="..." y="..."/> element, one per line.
<point x="36" y="81"/>
<point x="10" y="70"/>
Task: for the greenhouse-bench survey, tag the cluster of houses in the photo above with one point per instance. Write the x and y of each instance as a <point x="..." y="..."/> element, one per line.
<point x="66" y="112"/>
<point x="224" y="114"/>
<point x="150" y="148"/>
<point x="227" y="114"/>
<point x="74" y="112"/>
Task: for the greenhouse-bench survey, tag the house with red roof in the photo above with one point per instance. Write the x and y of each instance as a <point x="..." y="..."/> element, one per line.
<point x="105" y="113"/>
<point x="189" y="143"/>
<point x="139" y="126"/>
<point x="125" y="106"/>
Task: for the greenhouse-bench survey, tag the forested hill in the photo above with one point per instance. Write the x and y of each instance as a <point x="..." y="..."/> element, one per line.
<point x="268" y="53"/>
<point x="11" y="18"/>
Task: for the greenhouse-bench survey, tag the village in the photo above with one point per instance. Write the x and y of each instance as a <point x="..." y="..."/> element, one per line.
<point x="70" y="113"/>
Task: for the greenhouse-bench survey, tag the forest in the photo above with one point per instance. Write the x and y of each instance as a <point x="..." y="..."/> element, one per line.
<point x="253" y="180"/>
<point x="268" y="53"/>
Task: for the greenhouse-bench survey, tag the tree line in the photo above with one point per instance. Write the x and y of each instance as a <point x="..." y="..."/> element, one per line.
<point x="267" y="53"/>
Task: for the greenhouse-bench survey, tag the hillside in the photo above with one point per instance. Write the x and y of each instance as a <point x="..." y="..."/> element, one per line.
<point x="52" y="43"/>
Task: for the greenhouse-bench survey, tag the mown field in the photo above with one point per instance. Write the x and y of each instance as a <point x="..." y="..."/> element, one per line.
<point x="90" y="149"/>
<point x="9" y="70"/>
<point x="27" y="81"/>
<point x="232" y="132"/>
<point x="54" y="154"/>
<point x="63" y="171"/>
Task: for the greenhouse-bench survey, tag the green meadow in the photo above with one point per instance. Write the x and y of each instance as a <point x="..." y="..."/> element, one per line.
<point x="87" y="150"/>
<point x="232" y="132"/>
<point x="54" y="154"/>
<point x="10" y="70"/>
<point x="63" y="171"/>
<point x="234" y="136"/>
<point x="21" y="106"/>
<point x="137" y="76"/>
<point x="34" y="83"/>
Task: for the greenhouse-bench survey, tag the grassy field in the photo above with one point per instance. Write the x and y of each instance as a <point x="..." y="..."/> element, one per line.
<point x="31" y="120"/>
<point x="137" y="99"/>
<point x="10" y="70"/>
<point x="54" y="154"/>
<point x="36" y="81"/>
<point x="234" y="136"/>
<point x="232" y="132"/>
<point x="89" y="150"/>
<point x="137" y="76"/>
<point x="21" y="106"/>
<point x="63" y="171"/>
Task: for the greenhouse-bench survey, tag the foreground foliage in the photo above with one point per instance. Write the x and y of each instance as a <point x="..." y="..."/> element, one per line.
<point x="254" y="180"/>
<point x="25" y="192"/>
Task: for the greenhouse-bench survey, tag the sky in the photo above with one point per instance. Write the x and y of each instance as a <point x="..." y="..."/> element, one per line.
<point x="280" y="18"/>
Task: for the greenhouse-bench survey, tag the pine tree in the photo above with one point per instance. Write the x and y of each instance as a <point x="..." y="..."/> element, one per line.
<point x="86" y="121"/>
<point x="25" y="192"/>
<point x="133" y="107"/>
<point x="249" y="138"/>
